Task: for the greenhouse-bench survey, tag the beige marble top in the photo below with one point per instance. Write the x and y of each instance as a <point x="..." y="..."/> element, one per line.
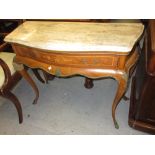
<point x="77" y="36"/>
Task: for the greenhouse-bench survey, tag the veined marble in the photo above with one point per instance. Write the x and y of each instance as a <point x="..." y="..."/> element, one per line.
<point x="77" y="36"/>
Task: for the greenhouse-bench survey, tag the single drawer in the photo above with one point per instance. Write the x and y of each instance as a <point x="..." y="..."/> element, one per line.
<point x="70" y="59"/>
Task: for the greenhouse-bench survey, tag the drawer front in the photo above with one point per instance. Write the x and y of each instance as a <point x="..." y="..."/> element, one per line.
<point x="91" y="60"/>
<point x="79" y="60"/>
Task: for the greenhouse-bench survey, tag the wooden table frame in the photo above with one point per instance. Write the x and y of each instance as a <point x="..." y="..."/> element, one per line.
<point x="94" y="65"/>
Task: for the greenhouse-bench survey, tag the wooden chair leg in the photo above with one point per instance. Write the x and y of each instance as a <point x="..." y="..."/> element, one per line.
<point x="9" y="95"/>
<point x="88" y="83"/>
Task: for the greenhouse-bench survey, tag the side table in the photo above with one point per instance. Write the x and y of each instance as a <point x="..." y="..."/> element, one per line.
<point x="93" y="50"/>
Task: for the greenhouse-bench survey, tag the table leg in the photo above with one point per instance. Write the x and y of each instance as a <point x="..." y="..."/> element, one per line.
<point x="47" y="76"/>
<point x="23" y="72"/>
<point x="122" y="85"/>
<point x="36" y="73"/>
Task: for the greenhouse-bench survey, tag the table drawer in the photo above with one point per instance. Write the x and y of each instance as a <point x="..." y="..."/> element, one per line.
<point x="72" y="59"/>
<point x="78" y="60"/>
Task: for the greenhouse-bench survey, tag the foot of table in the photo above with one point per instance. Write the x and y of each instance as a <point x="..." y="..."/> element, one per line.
<point x="88" y="83"/>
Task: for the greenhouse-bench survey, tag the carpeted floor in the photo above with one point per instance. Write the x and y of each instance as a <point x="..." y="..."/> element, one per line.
<point x="66" y="107"/>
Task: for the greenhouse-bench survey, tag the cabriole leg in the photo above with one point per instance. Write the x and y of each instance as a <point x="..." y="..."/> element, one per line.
<point x="23" y="72"/>
<point x="122" y="85"/>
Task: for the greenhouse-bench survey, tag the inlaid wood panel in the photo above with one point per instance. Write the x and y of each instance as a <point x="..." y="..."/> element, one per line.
<point x="71" y="59"/>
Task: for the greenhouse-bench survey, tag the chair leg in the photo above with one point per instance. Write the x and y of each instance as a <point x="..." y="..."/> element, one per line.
<point x="9" y="95"/>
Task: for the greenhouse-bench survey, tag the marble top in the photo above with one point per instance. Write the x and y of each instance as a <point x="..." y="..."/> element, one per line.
<point x="77" y="36"/>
